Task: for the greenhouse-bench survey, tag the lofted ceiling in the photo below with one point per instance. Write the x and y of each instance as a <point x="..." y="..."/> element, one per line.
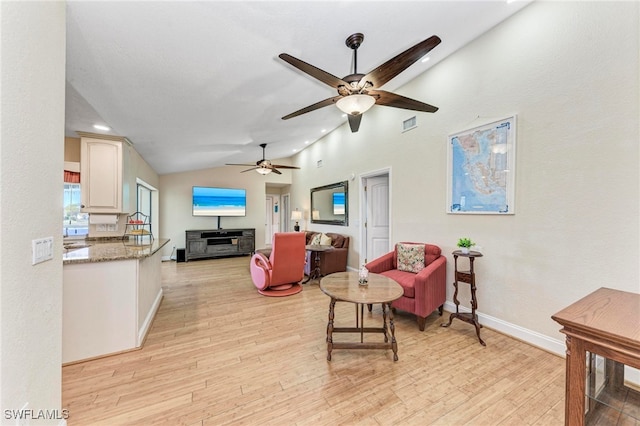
<point x="197" y="84"/>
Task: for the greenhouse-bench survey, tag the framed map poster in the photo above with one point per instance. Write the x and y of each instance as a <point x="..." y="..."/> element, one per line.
<point x="481" y="169"/>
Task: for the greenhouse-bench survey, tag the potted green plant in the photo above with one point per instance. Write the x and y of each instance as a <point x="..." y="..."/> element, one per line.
<point x="464" y="244"/>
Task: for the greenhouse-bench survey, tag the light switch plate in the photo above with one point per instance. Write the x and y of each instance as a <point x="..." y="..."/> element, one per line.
<point x="41" y="250"/>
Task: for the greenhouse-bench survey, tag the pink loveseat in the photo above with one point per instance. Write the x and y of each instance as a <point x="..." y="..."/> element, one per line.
<point x="424" y="291"/>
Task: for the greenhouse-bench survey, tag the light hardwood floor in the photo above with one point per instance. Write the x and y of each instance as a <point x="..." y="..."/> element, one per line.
<point x="220" y="353"/>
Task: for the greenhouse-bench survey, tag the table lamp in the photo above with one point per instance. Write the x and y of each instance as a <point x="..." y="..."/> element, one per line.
<point x="296" y="215"/>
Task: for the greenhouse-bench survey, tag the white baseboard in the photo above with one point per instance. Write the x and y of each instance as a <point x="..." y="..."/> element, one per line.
<point x="142" y="333"/>
<point x="529" y="336"/>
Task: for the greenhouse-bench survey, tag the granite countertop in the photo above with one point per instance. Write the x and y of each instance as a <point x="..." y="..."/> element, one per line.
<point x="96" y="250"/>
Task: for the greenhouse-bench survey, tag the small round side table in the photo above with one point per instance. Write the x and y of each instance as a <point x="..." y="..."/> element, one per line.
<point x="468" y="277"/>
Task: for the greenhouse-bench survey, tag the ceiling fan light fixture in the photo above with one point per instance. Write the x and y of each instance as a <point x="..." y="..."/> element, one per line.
<point x="355" y="104"/>
<point x="263" y="170"/>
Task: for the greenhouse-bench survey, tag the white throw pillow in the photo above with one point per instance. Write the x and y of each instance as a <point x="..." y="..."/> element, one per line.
<point x="315" y="240"/>
<point x="325" y="240"/>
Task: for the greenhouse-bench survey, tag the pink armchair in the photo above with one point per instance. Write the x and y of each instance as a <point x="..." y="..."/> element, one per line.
<point x="280" y="274"/>
<point x="424" y="291"/>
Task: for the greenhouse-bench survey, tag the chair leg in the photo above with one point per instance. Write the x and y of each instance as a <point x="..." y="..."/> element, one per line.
<point x="441" y="309"/>
<point x="370" y="307"/>
<point x="421" y="322"/>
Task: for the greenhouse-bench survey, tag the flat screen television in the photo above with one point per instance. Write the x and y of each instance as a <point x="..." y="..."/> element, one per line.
<point x="209" y="201"/>
<point x="338" y="203"/>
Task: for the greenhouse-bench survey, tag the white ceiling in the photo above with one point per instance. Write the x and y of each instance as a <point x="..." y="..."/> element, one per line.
<point x="199" y="84"/>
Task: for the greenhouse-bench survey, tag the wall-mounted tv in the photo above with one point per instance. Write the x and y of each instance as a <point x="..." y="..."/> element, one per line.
<point x="338" y="203"/>
<point x="208" y="201"/>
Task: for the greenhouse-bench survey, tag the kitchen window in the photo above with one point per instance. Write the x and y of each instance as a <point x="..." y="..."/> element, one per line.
<point x="74" y="222"/>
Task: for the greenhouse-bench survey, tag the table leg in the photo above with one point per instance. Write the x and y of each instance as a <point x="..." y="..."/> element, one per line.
<point x="315" y="272"/>
<point x="478" y="327"/>
<point x="474" y="317"/>
<point x="575" y="385"/>
<point x="361" y="322"/>
<point x="311" y="272"/>
<point x="394" y="344"/>
<point x="384" y="322"/>
<point x="456" y="302"/>
<point x="332" y="305"/>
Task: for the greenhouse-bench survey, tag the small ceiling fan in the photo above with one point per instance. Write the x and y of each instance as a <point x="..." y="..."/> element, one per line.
<point x="264" y="166"/>
<point x="359" y="92"/>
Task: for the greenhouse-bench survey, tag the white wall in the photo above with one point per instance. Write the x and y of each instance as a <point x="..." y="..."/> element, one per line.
<point x="175" y="201"/>
<point x="570" y="72"/>
<point x="31" y="165"/>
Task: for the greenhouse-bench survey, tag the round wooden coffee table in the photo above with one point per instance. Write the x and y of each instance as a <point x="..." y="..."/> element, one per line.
<point x="344" y="286"/>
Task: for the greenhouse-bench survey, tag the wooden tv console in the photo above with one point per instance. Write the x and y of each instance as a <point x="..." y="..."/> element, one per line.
<point x="208" y="243"/>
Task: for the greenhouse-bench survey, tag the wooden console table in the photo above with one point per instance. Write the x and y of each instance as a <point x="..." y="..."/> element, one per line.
<point x="209" y="243"/>
<point x="607" y="323"/>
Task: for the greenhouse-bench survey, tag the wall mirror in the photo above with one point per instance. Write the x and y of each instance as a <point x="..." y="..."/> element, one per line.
<point x="330" y="204"/>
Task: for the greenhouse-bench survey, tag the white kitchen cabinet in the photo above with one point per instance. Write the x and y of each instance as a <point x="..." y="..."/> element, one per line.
<point x="107" y="184"/>
<point x="108" y="307"/>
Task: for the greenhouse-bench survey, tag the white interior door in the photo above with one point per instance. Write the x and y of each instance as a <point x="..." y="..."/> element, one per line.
<point x="285" y="210"/>
<point x="268" y="220"/>
<point x="272" y="217"/>
<point x="377" y="220"/>
<point x="277" y="213"/>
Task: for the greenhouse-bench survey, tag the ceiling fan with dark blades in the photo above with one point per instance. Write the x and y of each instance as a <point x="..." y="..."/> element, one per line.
<point x="359" y="92"/>
<point x="265" y="166"/>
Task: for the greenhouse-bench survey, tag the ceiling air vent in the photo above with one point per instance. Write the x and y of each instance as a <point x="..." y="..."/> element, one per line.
<point x="409" y="123"/>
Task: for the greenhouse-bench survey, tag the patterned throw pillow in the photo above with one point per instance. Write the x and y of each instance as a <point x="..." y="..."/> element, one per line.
<point x="410" y="257"/>
<point x="315" y="240"/>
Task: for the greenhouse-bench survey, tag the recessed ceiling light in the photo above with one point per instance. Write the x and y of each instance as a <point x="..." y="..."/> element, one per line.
<point x="323" y="130"/>
<point x="295" y="150"/>
<point x="101" y="127"/>
<point x="306" y="142"/>
<point x="425" y="59"/>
